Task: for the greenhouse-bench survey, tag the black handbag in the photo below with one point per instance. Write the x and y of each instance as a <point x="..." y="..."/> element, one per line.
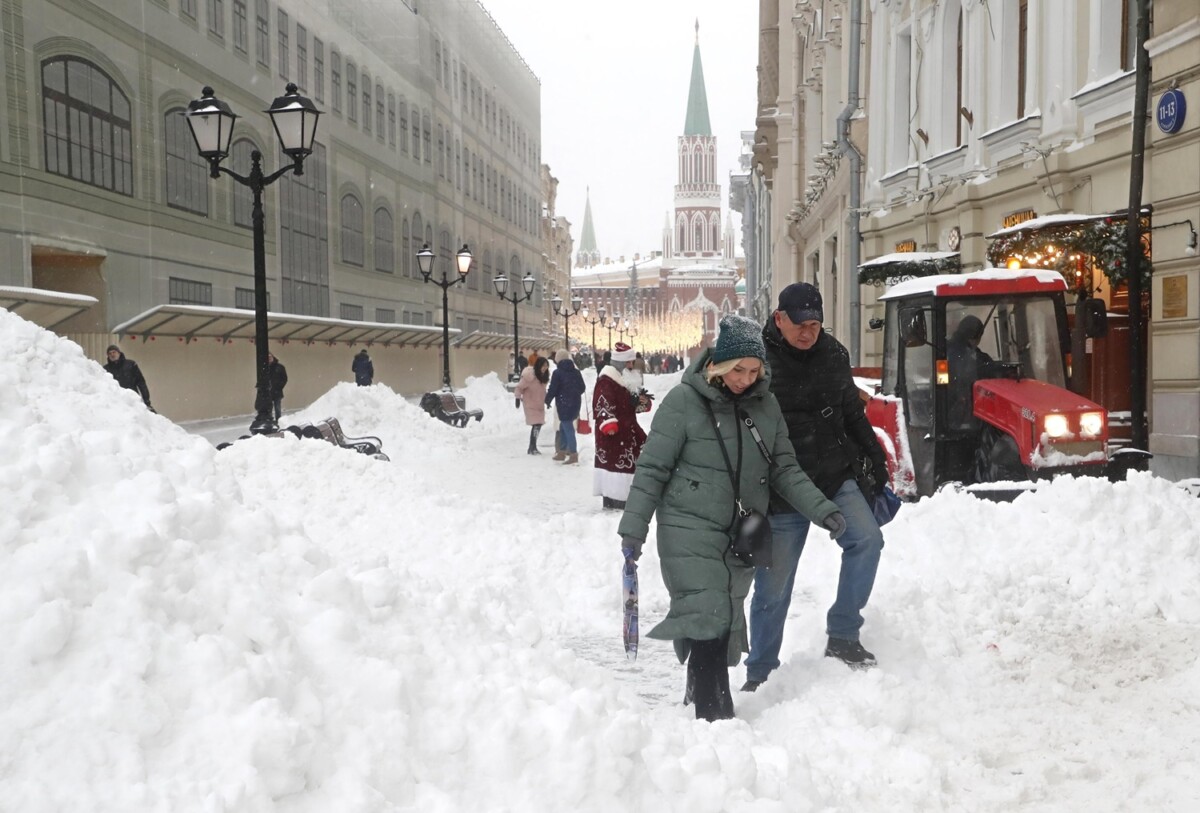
<point x="750" y="537"/>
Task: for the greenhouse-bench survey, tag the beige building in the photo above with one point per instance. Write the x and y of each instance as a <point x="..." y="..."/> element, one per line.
<point x="942" y="123"/>
<point x="430" y="135"/>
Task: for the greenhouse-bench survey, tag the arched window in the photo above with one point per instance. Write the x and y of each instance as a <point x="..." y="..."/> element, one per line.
<point x="352" y="231"/>
<point x="86" y="125"/>
<point x="366" y="100"/>
<point x="445" y="257"/>
<point x="681" y="245"/>
<point x="714" y="225"/>
<point x="243" y="198"/>
<point x="406" y="249"/>
<point x="379" y="114"/>
<point x="186" y="172"/>
<point x="698" y="229"/>
<point x="351" y="92"/>
<point x="427" y="132"/>
<point x="418" y="239"/>
<point x="385" y="242"/>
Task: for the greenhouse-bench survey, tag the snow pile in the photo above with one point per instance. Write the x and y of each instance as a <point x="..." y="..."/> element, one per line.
<point x="289" y="626"/>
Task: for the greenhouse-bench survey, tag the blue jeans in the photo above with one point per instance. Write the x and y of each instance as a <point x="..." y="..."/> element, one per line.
<point x="567" y="428"/>
<point x="861" y="545"/>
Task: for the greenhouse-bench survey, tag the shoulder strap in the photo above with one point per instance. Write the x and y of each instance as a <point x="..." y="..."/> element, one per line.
<point x="734" y="478"/>
<point x="746" y="419"/>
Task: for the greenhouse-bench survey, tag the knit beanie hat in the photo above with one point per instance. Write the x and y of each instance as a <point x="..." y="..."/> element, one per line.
<point x="111" y="348"/>
<point x="801" y="301"/>
<point x="739" y="338"/>
<point x="562" y="355"/>
<point x="623" y="352"/>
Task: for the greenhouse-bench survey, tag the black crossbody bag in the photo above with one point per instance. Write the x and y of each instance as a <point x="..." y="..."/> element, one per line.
<point x="750" y="531"/>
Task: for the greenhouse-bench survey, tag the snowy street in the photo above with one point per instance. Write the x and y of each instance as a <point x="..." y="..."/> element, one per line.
<point x="288" y="626"/>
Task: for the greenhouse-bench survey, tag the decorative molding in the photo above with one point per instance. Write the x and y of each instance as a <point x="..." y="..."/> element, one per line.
<point x="1005" y="142"/>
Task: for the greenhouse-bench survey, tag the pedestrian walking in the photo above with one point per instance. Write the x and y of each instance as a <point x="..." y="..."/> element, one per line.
<point x="566" y="393"/>
<point x="828" y="428"/>
<point x="363" y="369"/>
<point x="702" y="465"/>
<point x="127" y="373"/>
<point x="531" y="392"/>
<point x="276" y="381"/>
<point x="619" y="438"/>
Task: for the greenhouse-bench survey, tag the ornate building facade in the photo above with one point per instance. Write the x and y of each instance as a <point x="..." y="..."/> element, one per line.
<point x="981" y="117"/>
<point x="430" y="135"/>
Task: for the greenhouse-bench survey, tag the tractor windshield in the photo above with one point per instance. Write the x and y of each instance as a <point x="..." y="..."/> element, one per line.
<point x="1020" y="330"/>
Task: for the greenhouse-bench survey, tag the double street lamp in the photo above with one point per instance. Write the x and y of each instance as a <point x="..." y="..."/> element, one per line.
<point x="501" y="284"/>
<point x="295" y="120"/>
<point x="599" y="320"/>
<point x="425" y="264"/>
<point x="612" y="325"/>
<point x="559" y="310"/>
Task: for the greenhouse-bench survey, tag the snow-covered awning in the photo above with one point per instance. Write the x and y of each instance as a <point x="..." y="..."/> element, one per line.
<point x="201" y="321"/>
<point x="43" y="307"/>
<point x="891" y="268"/>
<point x="1045" y="221"/>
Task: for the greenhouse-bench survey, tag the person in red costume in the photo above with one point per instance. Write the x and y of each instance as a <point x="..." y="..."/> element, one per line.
<point x="619" y="439"/>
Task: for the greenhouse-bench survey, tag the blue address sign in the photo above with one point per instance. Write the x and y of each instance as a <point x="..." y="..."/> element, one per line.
<point x="1171" y="111"/>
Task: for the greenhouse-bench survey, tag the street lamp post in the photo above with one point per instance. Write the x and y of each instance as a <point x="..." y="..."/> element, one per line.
<point x="599" y="320"/>
<point x="295" y="120"/>
<point x="501" y="284"/>
<point x="559" y="310"/>
<point x="425" y="264"/>
<point x="611" y="327"/>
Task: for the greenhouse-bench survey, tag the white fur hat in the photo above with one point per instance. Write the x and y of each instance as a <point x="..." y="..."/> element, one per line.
<point x="623" y="352"/>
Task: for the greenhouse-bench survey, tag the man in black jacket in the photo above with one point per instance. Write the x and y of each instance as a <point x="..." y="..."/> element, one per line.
<point x="127" y="373"/>
<point x="811" y="378"/>
<point x="276" y="380"/>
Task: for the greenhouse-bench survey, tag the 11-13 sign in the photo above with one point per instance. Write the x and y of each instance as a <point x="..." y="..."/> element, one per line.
<point x="1171" y="110"/>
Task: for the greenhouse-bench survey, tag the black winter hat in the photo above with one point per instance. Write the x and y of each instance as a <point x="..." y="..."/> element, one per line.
<point x="739" y="338"/>
<point x="801" y="301"/>
<point x="111" y="348"/>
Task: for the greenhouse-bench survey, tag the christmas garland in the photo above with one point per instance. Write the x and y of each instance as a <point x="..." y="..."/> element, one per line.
<point x="1103" y="239"/>
<point x="898" y="271"/>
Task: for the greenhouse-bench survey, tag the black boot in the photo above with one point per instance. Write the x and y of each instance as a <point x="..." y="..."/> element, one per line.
<point x="707" y="666"/>
<point x="850" y="653"/>
<point x="533" y="438"/>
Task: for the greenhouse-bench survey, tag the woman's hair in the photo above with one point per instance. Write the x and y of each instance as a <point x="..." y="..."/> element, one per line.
<point x="716" y="369"/>
<point x="541" y="369"/>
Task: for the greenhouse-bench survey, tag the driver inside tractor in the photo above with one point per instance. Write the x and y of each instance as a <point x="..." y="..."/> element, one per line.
<point x="967" y="364"/>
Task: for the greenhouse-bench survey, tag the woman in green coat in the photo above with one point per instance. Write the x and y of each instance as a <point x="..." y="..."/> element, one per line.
<point x="683" y="478"/>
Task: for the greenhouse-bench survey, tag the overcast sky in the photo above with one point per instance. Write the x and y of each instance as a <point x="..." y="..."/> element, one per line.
<point x="614" y="96"/>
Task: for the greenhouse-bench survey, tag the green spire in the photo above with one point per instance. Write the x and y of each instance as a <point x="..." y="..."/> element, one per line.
<point x="697" y="109"/>
<point x="587" y="242"/>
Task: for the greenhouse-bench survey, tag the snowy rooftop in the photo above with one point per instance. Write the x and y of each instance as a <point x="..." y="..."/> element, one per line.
<point x="929" y="285"/>
<point x="1046" y="220"/>
<point x="909" y="257"/>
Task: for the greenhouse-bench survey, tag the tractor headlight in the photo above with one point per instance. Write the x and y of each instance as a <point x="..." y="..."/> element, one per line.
<point x="1056" y="425"/>
<point x="1091" y="423"/>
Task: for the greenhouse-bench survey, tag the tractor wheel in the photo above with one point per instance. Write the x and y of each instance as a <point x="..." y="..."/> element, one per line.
<point x="998" y="458"/>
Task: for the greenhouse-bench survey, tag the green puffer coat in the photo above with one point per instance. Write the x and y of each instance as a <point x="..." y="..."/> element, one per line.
<point x="681" y="476"/>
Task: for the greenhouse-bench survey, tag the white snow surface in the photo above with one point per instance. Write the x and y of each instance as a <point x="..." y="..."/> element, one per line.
<point x="288" y="626"/>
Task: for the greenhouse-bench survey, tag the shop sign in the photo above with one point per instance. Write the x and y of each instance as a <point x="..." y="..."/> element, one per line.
<point x="905" y="246"/>
<point x="1017" y="218"/>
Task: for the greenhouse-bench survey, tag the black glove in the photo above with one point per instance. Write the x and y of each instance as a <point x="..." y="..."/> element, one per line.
<point x="879" y="471"/>
<point x="835" y="523"/>
<point x="633" y="546"/>
<point x="517" y="403"/>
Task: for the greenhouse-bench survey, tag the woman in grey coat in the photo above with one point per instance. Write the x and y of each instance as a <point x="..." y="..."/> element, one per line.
<point x="682" y="477"/>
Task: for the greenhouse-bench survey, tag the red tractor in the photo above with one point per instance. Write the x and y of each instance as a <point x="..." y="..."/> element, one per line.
<point x="974" y="384"/>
